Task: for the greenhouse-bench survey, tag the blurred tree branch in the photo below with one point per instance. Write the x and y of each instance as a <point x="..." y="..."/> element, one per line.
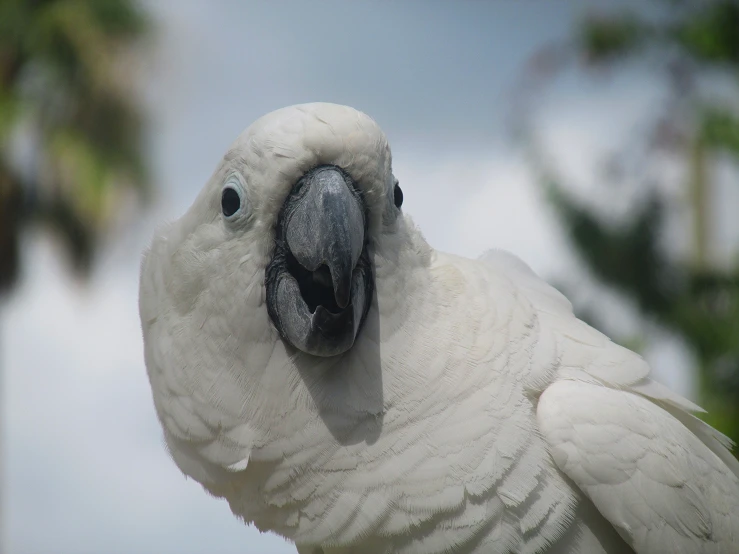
<point x="689" y="44"/>
<point x="70" y="128"/>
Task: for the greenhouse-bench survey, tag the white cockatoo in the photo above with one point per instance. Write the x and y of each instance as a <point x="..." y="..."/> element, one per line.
<point x="315" y="362"/>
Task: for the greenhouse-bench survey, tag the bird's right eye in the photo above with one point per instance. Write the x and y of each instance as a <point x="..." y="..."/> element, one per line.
<point x="230" y="201"/>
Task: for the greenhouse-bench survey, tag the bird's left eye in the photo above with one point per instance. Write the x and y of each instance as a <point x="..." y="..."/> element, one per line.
<point x="230" y="200"/>
<point x="398" y="195"/>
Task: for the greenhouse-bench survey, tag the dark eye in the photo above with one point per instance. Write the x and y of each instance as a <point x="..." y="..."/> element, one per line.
<point x="230" y="201"/>
<point x="398" y="196"/>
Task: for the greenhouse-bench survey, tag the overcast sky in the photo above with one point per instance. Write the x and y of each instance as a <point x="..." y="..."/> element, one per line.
<point x="85" y="470"/>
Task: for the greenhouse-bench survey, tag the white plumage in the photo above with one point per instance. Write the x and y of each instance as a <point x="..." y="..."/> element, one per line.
<point x="473" y="412"/>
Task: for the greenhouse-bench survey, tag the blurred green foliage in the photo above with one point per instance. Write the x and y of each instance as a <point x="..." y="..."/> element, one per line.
<point x="70" y="128"/>
<point x="691" y="45"/>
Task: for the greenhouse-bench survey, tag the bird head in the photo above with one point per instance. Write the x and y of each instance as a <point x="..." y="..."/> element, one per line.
<point x="290" y="214"/>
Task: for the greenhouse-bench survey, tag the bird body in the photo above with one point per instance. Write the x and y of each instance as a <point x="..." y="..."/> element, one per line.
<point x="445" y="405"/>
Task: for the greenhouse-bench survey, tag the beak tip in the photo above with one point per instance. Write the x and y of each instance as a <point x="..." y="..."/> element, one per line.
<point x="342" y="297"/>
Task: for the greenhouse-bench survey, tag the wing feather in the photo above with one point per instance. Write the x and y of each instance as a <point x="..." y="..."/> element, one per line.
<point x="658" y="484"/>
<point x="662" y="477"/>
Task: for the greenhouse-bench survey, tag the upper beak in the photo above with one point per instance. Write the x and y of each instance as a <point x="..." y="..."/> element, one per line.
<point x="326" y="227"/>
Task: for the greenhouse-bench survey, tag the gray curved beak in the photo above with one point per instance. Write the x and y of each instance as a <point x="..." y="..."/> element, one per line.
<point x="326" y="228"/>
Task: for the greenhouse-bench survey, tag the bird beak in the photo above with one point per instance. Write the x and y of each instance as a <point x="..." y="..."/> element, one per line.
<point x="326" y="228"/>
<point x="319" y="283"/>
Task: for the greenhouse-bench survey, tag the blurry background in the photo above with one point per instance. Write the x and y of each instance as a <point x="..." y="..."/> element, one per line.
<point x="598" y="141"/>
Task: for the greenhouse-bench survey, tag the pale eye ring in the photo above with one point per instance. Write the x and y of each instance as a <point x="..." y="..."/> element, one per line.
<point x="232" y="199"/>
